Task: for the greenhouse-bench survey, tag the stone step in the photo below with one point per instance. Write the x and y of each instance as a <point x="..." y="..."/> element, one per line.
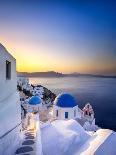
<point x="30" y="137"/>
<point x="28" y="142"/>
<point x="29" y="134"/>
<point x="27" y="147"/>
<point x="24" y="149"/>
<point x="29" y="153"/>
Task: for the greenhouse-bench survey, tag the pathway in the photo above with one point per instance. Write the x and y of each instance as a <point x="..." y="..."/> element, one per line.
<point x="28" y="145"/>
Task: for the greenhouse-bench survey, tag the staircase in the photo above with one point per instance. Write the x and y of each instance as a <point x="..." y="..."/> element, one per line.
<point x="28" y="145"/>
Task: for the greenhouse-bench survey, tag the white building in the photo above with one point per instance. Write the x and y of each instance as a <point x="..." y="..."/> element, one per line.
<point x="65" y="107"/>
<point x="38" y="91"/>
<point x="22" y="81"/>
<point x="10" y="112"/>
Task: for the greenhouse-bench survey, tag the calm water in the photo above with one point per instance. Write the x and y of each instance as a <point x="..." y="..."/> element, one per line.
<point x="100" y="92"/>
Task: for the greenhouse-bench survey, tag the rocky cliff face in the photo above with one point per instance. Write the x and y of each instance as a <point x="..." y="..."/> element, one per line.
<point x="47" y="96"/>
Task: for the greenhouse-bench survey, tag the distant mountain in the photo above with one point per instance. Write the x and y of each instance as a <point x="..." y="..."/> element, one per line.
<point x="40" y="74"/>
<point x="58" y="75"/>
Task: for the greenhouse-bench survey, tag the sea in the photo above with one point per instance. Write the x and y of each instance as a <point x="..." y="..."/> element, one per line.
<point x="99" y="92"/>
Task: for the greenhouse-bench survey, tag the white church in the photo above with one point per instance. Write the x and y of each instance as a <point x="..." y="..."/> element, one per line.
<point x="65" y="107"/>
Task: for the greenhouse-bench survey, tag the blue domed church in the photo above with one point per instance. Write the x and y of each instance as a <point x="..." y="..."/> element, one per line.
<point x="35" y="103"/>
<point x="65" y="107"/>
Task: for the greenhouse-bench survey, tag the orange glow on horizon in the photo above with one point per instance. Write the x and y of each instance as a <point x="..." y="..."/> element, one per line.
<point x="28" y="61"/>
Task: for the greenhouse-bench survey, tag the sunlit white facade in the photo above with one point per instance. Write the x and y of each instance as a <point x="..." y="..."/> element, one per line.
<point x="10" y="112"/>
<point x="65" y="107"/>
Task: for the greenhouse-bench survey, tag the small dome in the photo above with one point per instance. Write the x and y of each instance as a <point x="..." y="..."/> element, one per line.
<point x="35" y="100"/>
<point x="65" y="101"/>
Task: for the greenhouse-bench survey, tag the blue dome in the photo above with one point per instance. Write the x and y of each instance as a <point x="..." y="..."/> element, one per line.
<point x="65" y="101"/>
<point x="35" y="100"/>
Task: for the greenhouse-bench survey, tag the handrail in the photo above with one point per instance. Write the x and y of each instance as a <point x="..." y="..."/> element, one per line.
<point x="10" y="131"/>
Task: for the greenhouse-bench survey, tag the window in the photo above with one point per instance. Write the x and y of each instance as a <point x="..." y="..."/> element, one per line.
<point x="56" y="113"/>
<point x="66" y="114"/>
<point x="74" y="113"/>
<point x="8" y="70"/>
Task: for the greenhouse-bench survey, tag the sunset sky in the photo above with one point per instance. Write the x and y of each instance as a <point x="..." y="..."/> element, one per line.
<point x="64" y="36"/>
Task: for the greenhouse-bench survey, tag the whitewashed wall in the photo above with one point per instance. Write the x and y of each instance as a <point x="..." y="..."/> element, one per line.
<point x="10" y="110"/>
<point x="61" y="112"/>
<point x="38" y="147"/>
<point x="10" y="117"/>
<point x="7" y="87"/>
